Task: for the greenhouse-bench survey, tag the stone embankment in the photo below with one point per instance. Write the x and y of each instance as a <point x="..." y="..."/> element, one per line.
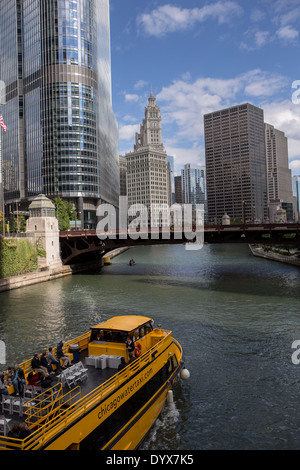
<point x="267" y="254"/>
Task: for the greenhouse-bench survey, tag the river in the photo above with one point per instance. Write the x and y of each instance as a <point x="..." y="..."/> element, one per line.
<point x="235" y="315"/>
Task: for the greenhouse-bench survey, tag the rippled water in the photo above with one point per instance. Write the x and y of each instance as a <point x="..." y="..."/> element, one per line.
<point x="236" y="317"/>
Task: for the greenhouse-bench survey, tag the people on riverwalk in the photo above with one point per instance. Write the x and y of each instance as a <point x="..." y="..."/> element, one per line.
<point x="37" y="365"/>
<point x="52" y="360"/>
<point x="62" y="356"/>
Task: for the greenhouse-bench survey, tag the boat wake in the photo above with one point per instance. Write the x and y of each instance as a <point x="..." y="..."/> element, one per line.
<point x="163" y="434"/>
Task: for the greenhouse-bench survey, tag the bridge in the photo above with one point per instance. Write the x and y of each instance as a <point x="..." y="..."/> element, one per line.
<point x="84" y="245"/>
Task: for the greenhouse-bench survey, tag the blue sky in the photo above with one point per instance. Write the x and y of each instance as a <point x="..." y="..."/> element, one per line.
<point x="201" y="56"/>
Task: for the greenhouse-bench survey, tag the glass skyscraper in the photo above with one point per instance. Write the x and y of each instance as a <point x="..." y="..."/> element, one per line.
<point x="62" y="135"/>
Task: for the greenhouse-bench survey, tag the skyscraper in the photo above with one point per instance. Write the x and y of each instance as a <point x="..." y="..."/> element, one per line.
<point x="296" y="190"/>
<point x="279" y="176"/>
<point x="62" y="137"/>
<point x="236" y="163"/>
<point x="147" y="175"/>
<point x="193" y="180"/>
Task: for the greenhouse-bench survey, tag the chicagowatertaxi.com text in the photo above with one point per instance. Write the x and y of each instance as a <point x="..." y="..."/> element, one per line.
<point x="152" y="459"/>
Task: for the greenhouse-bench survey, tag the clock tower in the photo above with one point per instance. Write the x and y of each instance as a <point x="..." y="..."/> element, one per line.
<point x="150" y="129"/>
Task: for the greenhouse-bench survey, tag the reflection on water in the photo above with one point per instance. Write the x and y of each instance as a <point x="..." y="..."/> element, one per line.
<point x="236" y="317"/>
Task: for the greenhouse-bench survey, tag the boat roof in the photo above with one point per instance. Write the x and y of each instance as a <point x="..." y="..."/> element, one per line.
<point x="123" y="323"/>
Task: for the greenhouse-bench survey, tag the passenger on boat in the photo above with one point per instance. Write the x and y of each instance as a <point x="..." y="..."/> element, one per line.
<point x="37" y="365"/>
<point x="18" y="380"/>
<point x="52" y="360"/>
<point x="130" y="345"/>
<point x="131" y="357"/>
<point x="123" y="364"/>
<point x="3" y="387"/>
<point x="33" y="378"/>
<point x="46" y="382"/>
<point x="24" y="431"/>
<point x="45" y="363"/>
<point x="61" y="355"/>
<point x="100" y="336"/>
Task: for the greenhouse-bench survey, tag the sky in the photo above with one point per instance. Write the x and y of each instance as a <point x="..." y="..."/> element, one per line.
<point x="202" y="56"/>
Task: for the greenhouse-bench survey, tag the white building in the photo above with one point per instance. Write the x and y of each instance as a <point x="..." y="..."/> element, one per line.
<point x="147" y="173"/>
<point x="279" y="177"/>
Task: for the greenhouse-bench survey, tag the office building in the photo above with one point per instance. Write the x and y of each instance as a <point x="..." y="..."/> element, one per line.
<point x="62" y="135"/>
<point x="123" y="175"/>
<point x="178" y="190"/>
<point x="279" y="176"/>
<point x="236" y="164"/>
<point x="147" y="175"/>
<point x="296" y="191"/>
<point x="193" y="180"/>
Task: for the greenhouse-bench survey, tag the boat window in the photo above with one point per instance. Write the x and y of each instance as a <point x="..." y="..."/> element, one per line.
<point x="108" y="336"/>
<point x="148" y="328"/>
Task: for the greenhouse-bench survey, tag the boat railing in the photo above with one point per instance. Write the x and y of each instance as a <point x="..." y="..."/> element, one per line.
<point x="66" y="410"/>
<point x="82" y="341"/>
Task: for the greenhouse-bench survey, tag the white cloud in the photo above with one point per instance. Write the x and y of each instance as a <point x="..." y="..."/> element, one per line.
<point x="140" y="84"/>
<point x="287" y="33"/>
<point x="128" y="132"/>
<point x="168" y="18"/>
<point x="129" y="97"/>
<point x="295" y="166"/>
<point x="184" y="104"/>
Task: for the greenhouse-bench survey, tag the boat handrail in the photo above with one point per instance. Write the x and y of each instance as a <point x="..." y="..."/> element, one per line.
<point x="80" y="407"/>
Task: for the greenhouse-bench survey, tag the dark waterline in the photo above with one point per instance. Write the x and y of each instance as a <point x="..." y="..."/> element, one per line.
<point x="236" y="317"/>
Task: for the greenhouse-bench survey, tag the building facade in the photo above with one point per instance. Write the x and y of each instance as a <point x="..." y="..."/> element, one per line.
<point x="147" y="170"/>
<point x="236" y="164"/>
<point x="62" y="135"/>
<point x="193" y="180"/>
<point x="296" y="191"/>
<point x="279" y="176"/>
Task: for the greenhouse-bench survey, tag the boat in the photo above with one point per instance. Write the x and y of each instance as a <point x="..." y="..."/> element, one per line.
<point x="98" y="404"/>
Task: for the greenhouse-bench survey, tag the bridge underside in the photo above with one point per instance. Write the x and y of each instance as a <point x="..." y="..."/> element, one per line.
<point x="82" y="246"/>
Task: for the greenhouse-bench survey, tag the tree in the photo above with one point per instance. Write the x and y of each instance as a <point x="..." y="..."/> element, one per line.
<point x="64" y="212"/>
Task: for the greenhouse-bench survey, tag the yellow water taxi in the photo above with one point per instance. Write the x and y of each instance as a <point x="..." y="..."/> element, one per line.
<point x="123" y="370"/>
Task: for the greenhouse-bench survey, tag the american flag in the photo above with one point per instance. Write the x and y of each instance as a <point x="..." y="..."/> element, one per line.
<point x="2" y="124"/>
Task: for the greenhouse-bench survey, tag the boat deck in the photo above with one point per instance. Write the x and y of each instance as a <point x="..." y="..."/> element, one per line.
<point x="95" y="377"/>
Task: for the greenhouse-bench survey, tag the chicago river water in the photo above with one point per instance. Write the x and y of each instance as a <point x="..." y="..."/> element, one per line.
<point x="235" y="315"/>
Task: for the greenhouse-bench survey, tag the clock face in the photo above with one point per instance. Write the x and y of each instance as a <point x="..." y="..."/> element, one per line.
<point x="154" y="124"/>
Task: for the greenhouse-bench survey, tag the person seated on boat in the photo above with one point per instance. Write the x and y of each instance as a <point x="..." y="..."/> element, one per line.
<point x="18" y="380"/>
<point x="130" y="345"/>
<point x="33" y="378"/>
<point x="3" y="387"/>
<point x="24" y="431"/>
<point x="46" y="382"/>
<point x="37" y="365"/>
<point x="52" y="360"/>
<point x="62" y="356"/>
<point x="122" y="364"/>
<point x="131" y="357"/>
<point x="45" y="363"/>
<point x="100" y="336"/>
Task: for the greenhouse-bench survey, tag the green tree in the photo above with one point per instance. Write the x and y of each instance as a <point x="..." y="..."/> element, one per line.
<point x="64" y="211"/>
